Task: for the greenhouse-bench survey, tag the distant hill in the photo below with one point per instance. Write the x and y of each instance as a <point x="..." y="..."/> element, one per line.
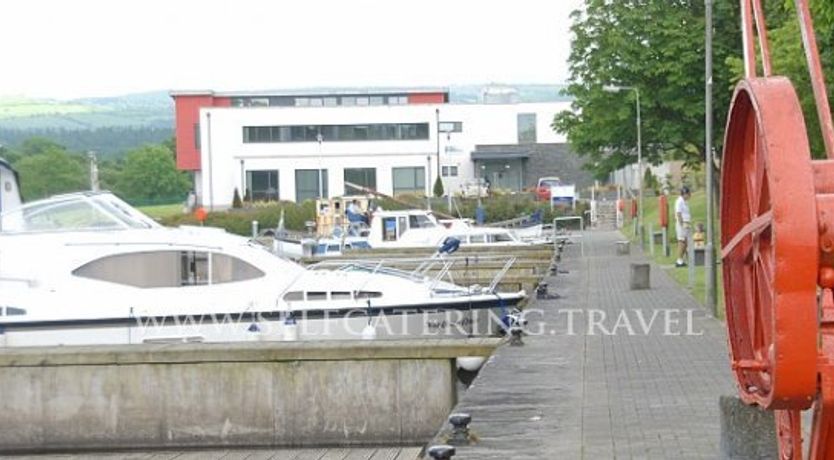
<point x="112" y="125"/>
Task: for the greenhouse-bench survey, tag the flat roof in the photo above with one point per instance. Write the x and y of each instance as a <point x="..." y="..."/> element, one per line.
<point x="310" y="92"/>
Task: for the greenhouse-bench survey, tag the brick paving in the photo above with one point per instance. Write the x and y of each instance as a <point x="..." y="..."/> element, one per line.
<point x="599" y="396"/>
<point x="354" y="453"/>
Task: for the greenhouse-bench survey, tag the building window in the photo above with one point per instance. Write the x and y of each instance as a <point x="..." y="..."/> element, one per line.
<point x="362" y="100"/>
<point x="365" y="177"/>
<point x="197" y="136"/>
<point x="331" y="102"/>
<point x="451" y="127"/>
<point x="307" y="184"/>
<point x="302" y="102"/>
<point x="263" y="185"/>
<point x="376" y="100"/>
<point x="316" y="102"/>
<point x="449" y="171"/>
<point x="526" y="128"/>
<point x="348" y="100"/>
<point x="409" y="180"/>
<point x="336" y="133"/>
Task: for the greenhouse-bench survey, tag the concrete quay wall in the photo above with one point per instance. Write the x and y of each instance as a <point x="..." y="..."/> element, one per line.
<point x="244" y="394"/>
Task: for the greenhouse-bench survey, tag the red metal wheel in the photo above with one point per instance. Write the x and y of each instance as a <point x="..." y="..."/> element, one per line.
<point x="789" y="434"/>
<point x="769" y="244"/>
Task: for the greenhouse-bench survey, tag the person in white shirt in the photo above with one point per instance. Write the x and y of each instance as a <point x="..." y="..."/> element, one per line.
<point x="682" y="219"/>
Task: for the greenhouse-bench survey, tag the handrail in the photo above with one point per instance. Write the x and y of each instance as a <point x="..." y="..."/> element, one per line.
<point x="443" y="265"/>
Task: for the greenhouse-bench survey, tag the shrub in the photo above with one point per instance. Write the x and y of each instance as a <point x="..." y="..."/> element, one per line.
<point x="236" y="203"/>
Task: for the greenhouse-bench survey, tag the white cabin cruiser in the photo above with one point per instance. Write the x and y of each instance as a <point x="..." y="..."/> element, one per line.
<point x="9" y="187"/>
<point x="87" y="268"/>
<point x="419" y="228"/>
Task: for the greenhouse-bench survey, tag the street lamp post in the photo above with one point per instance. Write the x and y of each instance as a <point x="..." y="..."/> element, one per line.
<point x="319" y="139"/>
<point x="709" y="253"/>
<point x="617" y="89"/>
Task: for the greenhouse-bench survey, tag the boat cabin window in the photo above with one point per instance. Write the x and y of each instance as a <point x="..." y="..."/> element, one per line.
<point x="401" y="225"/>
<point x="162" y="269"/>
<point x="368" y="294"/>
<point x="12" y="311"/>
<point x="319" y="295"/>
<point x="501" y="238"/>
<point x="294" y="296"/>
<point x="389" y="229"/>
<point x="420" y="221"/>
<point x="480" y="238"/>
<point x="340" y="295"/>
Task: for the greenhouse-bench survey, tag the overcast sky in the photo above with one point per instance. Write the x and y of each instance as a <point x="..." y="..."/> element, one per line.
<point x="75" y="48"/>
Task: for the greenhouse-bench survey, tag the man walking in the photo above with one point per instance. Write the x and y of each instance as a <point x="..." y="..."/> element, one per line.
<point x="682" y="218"/>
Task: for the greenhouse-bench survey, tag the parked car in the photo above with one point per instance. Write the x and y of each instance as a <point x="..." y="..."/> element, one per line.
<point x="544" y="185"/>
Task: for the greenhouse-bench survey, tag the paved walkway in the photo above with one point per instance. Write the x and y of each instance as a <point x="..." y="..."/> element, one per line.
<point x="599" y="396"/>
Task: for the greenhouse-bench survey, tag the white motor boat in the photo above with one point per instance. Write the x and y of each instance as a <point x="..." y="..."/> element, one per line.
<point x="419" y="228"/>
<point x="87" y="268"/>
<point x="9" y="187"/>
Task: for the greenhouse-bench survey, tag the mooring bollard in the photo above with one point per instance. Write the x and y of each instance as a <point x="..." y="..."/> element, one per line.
<point x="623" y="248"/>
<point x="690" y="260"/>
<point x="441" y="452"/>
<point x="254" y="229"/>
<point x="640" y="274"/>
<point x="460" y="428"/>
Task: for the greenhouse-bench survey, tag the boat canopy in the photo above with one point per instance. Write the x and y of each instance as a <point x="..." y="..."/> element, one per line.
<point x="75" y="212"/>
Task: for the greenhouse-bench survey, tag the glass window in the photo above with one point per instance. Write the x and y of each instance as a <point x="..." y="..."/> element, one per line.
<point x="309" y="133"/>
<point x="316" y="102"/>
<point x="376" y="100"/>
<point x="477" y="238"/>
<point x="263" y="185"/>
<point x="363" y="100"/>
<point x="331" y="102"/>
<point x="365" y="177"/>
<point x="162" y="269"/>
<point x="419" y="221"/>
<point x="451" y="127"/>
<point x="449" y="171"/>
<point x="409" y="180"/>
<point x="259" y="102"/>
<point x="302" y="101"/>
<point x="348" y="100"/>
<point x="389" y="229"/>
<point x="197" y="136"/>
<point x="307" y="184"/>
<point x="526" y="128"/>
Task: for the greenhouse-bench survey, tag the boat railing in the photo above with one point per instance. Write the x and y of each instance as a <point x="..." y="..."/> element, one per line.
<point x="433" y="270"/>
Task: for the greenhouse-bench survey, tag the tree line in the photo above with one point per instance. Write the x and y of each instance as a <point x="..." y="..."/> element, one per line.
<point x="657" y="47"/>
<point x="145" y="175"/>
<point x="111" y="141"/>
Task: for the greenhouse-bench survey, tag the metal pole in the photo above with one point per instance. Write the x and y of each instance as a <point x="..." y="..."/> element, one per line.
<point x="639" y="173"/>
<point x="428" y="182"/>
<point x="320" y="138"/>
<point x="709" y="252"/>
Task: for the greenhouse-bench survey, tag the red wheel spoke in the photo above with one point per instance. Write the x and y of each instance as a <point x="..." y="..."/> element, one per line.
<point x="754" y="226"/>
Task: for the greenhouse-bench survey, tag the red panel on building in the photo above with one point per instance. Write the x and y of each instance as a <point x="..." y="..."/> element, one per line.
<point x="187" y="131"/>
<point x="427" y="98"/>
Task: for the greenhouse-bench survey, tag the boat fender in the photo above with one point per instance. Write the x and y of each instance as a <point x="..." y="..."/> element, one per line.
<point x="449" y="246"/>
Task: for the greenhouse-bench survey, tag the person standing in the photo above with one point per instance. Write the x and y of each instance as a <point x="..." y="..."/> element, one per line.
<point x="682" y="219"/>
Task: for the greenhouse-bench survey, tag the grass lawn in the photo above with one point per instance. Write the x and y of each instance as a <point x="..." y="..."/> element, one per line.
<point x="162" y="210"/>
<point x="697" y="206"/>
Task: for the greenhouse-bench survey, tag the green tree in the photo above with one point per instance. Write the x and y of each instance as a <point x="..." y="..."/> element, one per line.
<point x="149" y="173"/>
<point x="438" y="187"/>
<point x="50" y="171"/>
<point x="788" y="57"/>
<point x="657" y="47"/>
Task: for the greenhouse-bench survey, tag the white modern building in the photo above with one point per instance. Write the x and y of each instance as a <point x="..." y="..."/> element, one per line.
<point x="294" y="146"/>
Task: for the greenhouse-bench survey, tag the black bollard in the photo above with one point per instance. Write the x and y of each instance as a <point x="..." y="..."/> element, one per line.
<point x="460" y="428"/>
<point x="442" y="452"/>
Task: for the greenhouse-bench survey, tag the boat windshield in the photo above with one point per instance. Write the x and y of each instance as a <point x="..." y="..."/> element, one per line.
<point x="74" y="212"/>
